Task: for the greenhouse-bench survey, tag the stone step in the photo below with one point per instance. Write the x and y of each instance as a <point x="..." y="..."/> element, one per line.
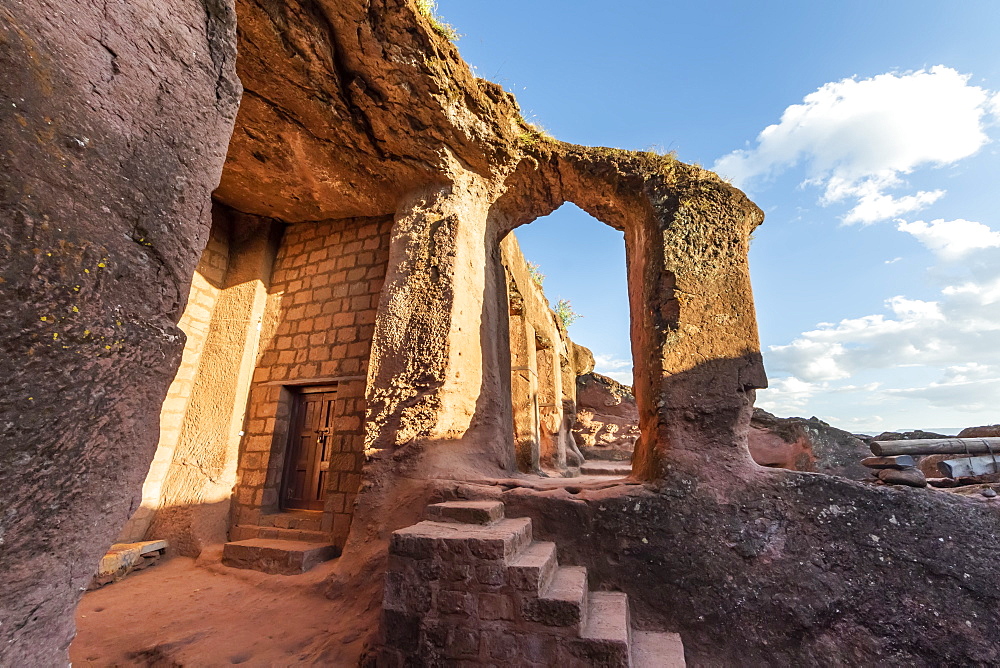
<point x="605" y="639"/>
<point x="123" y="558"/>
<point x="306" y="520"/>
<point x="533" y="568"/>
<point x="657" y="650"/>
<point x="246" y="532"/>
<point x="279" y="557"/>
<point x="466" y="512"/>
<point x="621" y="469"/>
<point x="502" y="540"/>
<point x="608" y="618"/>
<point x="300" y="535"/>
<point x="563" y="602"/>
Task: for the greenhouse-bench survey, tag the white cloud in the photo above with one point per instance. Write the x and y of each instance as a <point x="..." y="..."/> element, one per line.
<point x="874" y="206"/>
<point x="611" y="363"/>
<point x="951" y="341"/>
<point x="623" y="377"/>
<point x="856" y="138"/>
<point x="614" y="367"/>
<point x="968" y="387"/>
<point x="994" y="106"/>
<point x="786" y="396"/>
<point x="791" y="396"/>
<point x="917" y="333"/>
<point x="951" y="239"/>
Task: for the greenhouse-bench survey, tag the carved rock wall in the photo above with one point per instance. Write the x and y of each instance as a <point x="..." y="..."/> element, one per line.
<point x="607" y="423"/>
<point x="114" y="126"/>
<point x="114" y="121"/>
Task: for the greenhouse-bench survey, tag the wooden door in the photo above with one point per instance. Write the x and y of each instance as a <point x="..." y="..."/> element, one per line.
<point x="311" y="440"/>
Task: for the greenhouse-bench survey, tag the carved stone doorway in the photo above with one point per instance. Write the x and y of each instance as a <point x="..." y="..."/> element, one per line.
<point x="307" y="462"/>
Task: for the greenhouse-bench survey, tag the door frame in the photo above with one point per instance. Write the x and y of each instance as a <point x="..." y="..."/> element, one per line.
<point x="297" y="392"/>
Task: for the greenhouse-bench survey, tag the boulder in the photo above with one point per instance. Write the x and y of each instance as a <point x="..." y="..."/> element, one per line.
<point x="801" y="444"/>
<point x="607" y="422"/>
<point x="909" y="477"/>
<point x="914" y="435"/>
<point x="980" y="432"/>
<point x="583" y="359"/>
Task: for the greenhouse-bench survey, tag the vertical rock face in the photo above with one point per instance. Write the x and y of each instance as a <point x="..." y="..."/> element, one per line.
<point x="607" y="421"/>
<point x="114" y="121"/>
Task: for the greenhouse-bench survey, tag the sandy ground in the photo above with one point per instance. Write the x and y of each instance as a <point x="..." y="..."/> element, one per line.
<point x="186" y="613"/>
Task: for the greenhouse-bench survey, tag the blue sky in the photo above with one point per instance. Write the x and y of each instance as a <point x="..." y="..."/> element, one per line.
<point x="868" y="132"/>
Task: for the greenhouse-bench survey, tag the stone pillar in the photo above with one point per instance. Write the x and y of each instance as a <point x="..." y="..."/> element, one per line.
<point x="694" y="330"/>
<point x="208" y="283"/>
<point x="427" y="382"/>
<point x="524" y="393"/>
<point x="114" y="122"/>
<point x="552" y="444"/>
<point x="195" y="494"/>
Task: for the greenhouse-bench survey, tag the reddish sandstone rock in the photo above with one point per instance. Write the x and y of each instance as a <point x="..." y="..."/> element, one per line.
<point x="114" y="121"/>
<point x="928" y="464"/>
<point x="912" y="477"/>
<point x="607" y="422"/>
<point x="980" y="432"/>
<point x="822" y="569"/>
<point x="914" y="435"/>
<point x="799" y="444"/>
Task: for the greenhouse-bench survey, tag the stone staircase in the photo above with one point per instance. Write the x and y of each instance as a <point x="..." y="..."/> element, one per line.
<point x="619" y="469"/>
<point x="470" y="587"/>
<point x="286" y="543"/>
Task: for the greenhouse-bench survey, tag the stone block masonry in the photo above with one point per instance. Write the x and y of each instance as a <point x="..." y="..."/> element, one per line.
<point x="472" y="588"/>
<point x="325" y="290"/>
<point x="318" y="330"/>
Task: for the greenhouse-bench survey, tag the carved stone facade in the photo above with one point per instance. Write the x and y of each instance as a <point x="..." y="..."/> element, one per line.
<point x="363" y="183"/>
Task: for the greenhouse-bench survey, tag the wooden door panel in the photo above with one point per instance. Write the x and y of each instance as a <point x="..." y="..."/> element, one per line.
<point x="310" y="444"/>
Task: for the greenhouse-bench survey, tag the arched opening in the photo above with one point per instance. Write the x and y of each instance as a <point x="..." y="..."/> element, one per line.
<point x="568" y="320"/>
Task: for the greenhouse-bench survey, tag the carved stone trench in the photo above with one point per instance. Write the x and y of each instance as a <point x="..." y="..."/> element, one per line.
<point x="360" y="126"/>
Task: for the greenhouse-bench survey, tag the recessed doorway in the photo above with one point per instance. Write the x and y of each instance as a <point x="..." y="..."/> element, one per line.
<point x="307" y="463"/>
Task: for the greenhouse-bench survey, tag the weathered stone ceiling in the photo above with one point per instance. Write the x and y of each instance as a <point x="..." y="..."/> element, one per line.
<point x="349" y="105"/>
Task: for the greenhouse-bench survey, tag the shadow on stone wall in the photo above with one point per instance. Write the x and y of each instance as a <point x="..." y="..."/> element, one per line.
<point x="775" y="567"/>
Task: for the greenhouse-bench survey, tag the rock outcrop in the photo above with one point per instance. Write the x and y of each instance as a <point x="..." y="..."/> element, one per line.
<point x="980" y="432"/>
<point x="114" y="123"/>
<point x="607" y="419"/>
<point x="915" y="435"/>
<point x="801" y="444"/>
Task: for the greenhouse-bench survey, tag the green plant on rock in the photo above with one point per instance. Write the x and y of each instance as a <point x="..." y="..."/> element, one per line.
<point x="662" y="152"/>
<point x="428" y="9"/>
<point x="534" y="270"/>
<point x="564" y="311"/>
<point x="533" y="134"/>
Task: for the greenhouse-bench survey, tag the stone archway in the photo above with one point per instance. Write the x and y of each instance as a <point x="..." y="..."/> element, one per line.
<point x="686" y="242"/>
<point x="545" y="360"/>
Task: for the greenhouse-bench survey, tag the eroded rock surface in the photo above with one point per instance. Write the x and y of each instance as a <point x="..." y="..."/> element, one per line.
<point x="915" y="435"/>
<point x="980" y="432"/>
<point x="114" y="121"/>
<point x="607" y="420"/>
<point x="801" y="444"/>
<point x="797" y="569"/>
